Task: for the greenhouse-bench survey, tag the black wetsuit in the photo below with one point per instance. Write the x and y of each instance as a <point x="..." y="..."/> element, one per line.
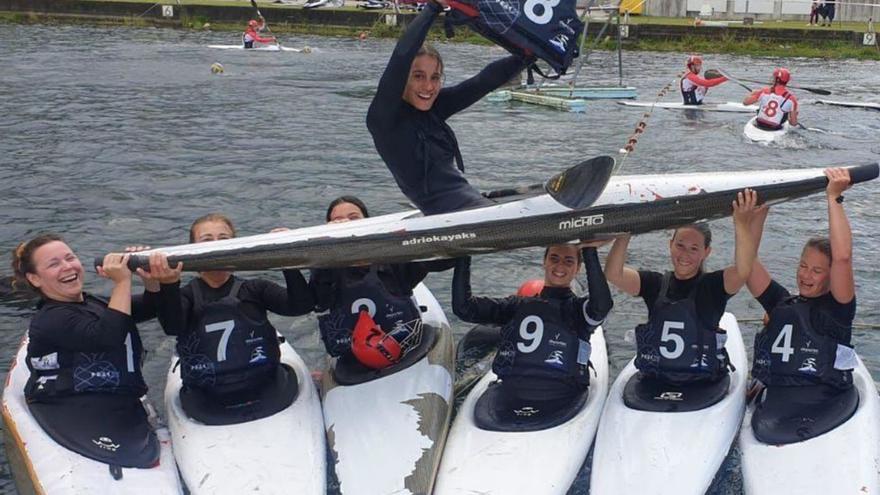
<point x="580" y="314"/>
<point x="418" y="146"/>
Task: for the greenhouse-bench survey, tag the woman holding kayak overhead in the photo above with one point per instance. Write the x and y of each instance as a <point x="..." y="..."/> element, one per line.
<point x="804" y="354"/>
<point x="407" y="119"/>
<point x="85" y="354"/>
<point x="681" y="342"/>
<point x="543" y="357"/>
<point x="693" y="87"/>
<point x="371" y="316"/>
<point x="229" y="351"/>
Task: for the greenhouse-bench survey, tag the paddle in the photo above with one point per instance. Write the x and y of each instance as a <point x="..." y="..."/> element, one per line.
<point x="260" y="15"/>
<point x="818" y="91"/>
<point x="577" y="187"/>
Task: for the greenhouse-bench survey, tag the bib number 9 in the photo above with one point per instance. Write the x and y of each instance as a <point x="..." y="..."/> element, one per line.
<point x="546" y="10"/>
<point x="531" y="331"/>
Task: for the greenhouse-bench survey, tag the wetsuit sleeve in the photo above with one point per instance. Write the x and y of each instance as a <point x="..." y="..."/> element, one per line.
<point x="322" y="284"/>
<point x="478" y="309"/>
<point x="711" y="298"/>
<point x="706" y="83"/>
<point x="143" y="306"/>
<point x="295" y="300"/>
<point x="599" y="304"/>
<point x="456" y="98"/>
<point x="649" y="287"/>
<point x="389" y="95"/>
<point x="772" y="296"/>
<point x="173" y="309"/>
<point x="414" y="273"/>
<point x="72" y="329"/>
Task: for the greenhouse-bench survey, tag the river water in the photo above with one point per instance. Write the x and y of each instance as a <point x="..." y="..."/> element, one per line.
<point x="115" y="136"/>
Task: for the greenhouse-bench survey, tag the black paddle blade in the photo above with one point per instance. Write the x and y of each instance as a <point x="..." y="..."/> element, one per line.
<point x="581" y="185"/>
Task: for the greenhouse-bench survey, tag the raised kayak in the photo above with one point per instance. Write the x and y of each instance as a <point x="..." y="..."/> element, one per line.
<point x="386" y="428"/>
<point x="480" y="460"/>
<point x="224" y="451"/>
<point x="649" y="430"/>
<point x="40" y="465"/>
<point x="629" y="203"/>
<point x="263" y="48"/>
<point x="758" y="135"/>
<point x="730" y="106"/>
<point x="851" y="104"/>
<point x="842" y="460"/>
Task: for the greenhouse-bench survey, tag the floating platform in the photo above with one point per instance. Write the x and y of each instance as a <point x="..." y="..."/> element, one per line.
<point x="587" y="93"/>
<point x="557" y="102"/>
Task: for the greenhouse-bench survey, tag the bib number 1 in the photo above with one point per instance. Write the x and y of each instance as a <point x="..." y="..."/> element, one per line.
<point x="546" y="10"/>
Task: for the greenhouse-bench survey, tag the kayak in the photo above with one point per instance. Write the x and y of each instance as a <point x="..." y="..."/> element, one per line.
<point x="478" y="460"/>
<point x="730" y="106"/>
<point x="281" y="453"/>
<point x="589" y="93"/>
<point x="843" y="460"/>
<point x="851" y="104"/>
<point x="263" y="48"/>
<point x="628" y="203"/>
<point x="689" y="432"/>
<point x="758" y="135"/>
<point x="386" y="428"/>
<point x="40" y="465"/>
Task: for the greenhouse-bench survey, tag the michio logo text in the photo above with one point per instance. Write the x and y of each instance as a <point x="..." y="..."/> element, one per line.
<point x="585" y="221"/>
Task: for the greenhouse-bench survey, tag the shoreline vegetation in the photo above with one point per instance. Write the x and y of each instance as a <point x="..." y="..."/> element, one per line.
<point x="770" y="38"/>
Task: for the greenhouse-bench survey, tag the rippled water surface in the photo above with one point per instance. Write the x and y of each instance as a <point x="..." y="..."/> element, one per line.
<point x="119" y="136"/>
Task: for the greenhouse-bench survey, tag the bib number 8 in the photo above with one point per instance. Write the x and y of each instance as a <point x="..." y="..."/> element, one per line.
<point x="771" y="108"/>
<point x="532" y="337"/>
<point x="546" y="10"/>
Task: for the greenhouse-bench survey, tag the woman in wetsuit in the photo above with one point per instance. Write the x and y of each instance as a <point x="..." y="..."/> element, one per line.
<point x="229" y="351"/>
<point x="543" y="356"/>
<point x="407" y="119"/>
<point x="85" y="355"/>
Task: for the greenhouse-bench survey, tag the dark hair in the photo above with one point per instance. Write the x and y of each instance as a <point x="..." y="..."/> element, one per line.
<point x="821" y="244"/>
<point x="579" y="255"/>
<point x="347" y="199"/>
<point x="23" y="258"/>
<point x="702" y="228"/>
<point x="210" y="217"/>
<point x="429" y="50"/>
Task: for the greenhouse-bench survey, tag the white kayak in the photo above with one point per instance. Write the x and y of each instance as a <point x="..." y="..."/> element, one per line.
<point x="262" y="48"/>
<point x="282" y="453"/>
<point x="529" y="462"/>
<point x="758" y="135"/>
<point x="40" y="465"/>
<point x="851" y="104"/>
<point x="843" y="460"/>
<point x="730" y="106"/>
<point x="636" y="451"/>
<point x="386" y="434"/>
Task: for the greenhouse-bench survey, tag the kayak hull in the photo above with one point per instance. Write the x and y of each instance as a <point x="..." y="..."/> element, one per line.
<point x="282" y="453"/>
<point x="492" y="462"/>
<point x="851" y="104"/>
<point x="39" y="465"/>
<point x="758" y="135"/>
<point x="730" y="106"/>
<point x="636" y="451"/>
<point x="386" y="435"/>
<point x="843" y="460"/>
<point x="262" y="48"/>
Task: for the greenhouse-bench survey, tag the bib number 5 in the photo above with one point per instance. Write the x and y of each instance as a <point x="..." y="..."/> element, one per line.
<point x="546" y="10"/>
<point x="666" y="337"/>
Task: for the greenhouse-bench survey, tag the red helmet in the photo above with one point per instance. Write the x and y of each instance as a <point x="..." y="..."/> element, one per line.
<point x="694" y="60"/>
<point x="252" y="23"/>
<point x="781" y="75"/>
<point x="376" y="349"/>
<point x="531" y="288"/>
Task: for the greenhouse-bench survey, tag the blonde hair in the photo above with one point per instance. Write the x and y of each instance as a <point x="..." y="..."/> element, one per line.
<point x="210" y="217"/>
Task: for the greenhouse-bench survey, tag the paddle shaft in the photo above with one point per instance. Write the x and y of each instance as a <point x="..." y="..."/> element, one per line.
<point x="265" y="23"/>
<point x="818" y="91"/>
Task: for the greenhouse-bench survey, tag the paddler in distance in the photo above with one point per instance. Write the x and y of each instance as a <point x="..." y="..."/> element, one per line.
<point x="777" y="104"/>
<point x="693" y="87"/>
<point x="252" y="33"/>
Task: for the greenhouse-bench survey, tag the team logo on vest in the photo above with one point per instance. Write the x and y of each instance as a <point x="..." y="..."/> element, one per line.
<point x="258" y="355"/>
<point x="47" y="362"/>
<point x="808" y="366"/>
<point x="555" y="359"/>
<point x="106" y="443"/>
<point x="555" y="342"/>
<point x="582" y="221"/>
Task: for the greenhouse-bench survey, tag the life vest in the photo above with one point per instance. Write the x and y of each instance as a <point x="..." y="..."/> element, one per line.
<point x="537" y="342"/>
<point x="789" y="351"/>
<point x="675" y="345"/>
<point x="226" y="350"/>
<point x="547" y="29"/>
<point x="62" y="372"/>
<point x="691" y="93"/>
<point x="772" y="113"/>
<point x="387" y="310"/>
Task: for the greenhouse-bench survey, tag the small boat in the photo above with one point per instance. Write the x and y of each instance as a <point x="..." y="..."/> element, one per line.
<point x="40" y="465"/>
<point x="386" y="428"/>
<point x="478" y="460"/>
<point x="262" y="48"/>
<point x="282" y="453"/>
<point x="851" y="104"/>
<point x="730" y="106"/>
<point x="587" y="93"/>
<point x="649" y="430"/>
<point x="758" y="135"/>
<point x="842" y="460"/>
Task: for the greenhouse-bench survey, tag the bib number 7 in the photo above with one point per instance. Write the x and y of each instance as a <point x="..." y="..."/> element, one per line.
<point x="225" y="327"/>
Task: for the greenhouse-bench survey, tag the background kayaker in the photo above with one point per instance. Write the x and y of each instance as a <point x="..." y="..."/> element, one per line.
<point x="252" y="33"/>
<point x="407" y="119"/>
<point x="804" y="354"/>
<point x="693" y="87"/>
<point x="229" y="351"/>
<point x="543" y="357"/>
<point x="85" y="354"/>
<point x="777" y="104"/>
<point x="681" y="342"/>
<point x="384" y="291"/>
